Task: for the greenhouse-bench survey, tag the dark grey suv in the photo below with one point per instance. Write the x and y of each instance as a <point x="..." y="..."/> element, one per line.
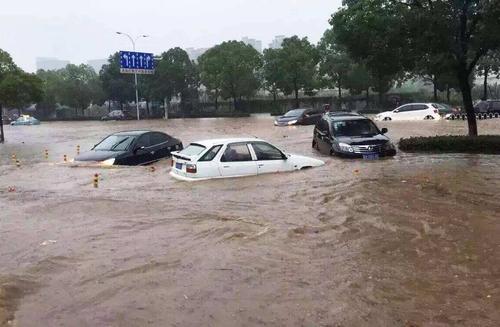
<point x="351" y="135"/>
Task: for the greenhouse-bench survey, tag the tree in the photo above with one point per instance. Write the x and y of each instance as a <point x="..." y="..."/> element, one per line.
<point x="335" y="64"/>
<point x="231" y="68"/>
<point x="488" y="65"/>
<point x="298" y="61"/>
<point x="372" y="33"/>
<point x="462" y="30"/>
<point x="359" y="80"/>
<point x="116" y="86"/>
<point x="175" y="75"/>
<point x="79" y="87"/>
<point x="17" y="88"/>
<point x="272" y="74"/>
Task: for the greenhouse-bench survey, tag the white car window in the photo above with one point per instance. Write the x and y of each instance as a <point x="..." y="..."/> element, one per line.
<point x="265" y="151"/>
<point x="236" y="152"/>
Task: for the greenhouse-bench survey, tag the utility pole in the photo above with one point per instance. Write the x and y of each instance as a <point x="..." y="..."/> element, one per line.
<point x="135" y="74"/>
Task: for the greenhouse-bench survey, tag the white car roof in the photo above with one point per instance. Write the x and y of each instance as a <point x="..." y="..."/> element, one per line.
<point x="212" y="142"/>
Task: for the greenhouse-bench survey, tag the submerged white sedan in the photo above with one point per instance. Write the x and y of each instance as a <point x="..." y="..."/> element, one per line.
<point x="234" y="157"/>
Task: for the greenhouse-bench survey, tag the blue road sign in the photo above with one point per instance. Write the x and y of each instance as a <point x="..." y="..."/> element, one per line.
<point x="136" y="62"/>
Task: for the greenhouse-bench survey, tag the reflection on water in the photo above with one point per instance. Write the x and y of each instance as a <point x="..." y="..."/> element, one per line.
<point x="405" y="241"/>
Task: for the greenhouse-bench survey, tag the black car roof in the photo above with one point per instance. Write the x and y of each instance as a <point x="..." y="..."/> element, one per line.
<point x="132" y="133"/>
<point x="344" y="116"/>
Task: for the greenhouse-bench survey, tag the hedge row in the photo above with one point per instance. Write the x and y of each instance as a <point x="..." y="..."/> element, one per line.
<point x="485" y="144"/>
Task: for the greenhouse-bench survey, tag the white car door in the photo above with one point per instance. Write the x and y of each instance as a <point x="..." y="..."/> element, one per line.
<point x="269" y="158"/>
<point x="237" y="161"/>
<point x="403" y="113"/>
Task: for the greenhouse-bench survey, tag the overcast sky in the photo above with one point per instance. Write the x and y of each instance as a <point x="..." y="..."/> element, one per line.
<point x="83" y="30"/>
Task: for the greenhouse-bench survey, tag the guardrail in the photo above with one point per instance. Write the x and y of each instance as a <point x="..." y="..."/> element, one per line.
<point x="463" y="116"/>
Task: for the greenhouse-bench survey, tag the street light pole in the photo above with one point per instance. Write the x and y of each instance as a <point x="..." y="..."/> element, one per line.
<point x="135" y="74"/>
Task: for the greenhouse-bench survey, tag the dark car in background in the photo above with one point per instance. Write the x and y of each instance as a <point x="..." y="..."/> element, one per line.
<point x="487" y="106"/>
<point x="131" y="148"/>
<point x="351" y="135"/>
<point x="299" y="117"/>
<point x="117" y="115"/>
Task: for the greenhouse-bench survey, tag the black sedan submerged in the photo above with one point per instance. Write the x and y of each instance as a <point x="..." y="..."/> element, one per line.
<point x="299" y="117"/>
<point x="131" y="148"/>
<point x="351" y="135"/>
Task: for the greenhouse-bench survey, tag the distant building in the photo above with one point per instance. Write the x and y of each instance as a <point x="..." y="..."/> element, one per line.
<point x="97" y="64"/>
<point x="48" y="63"/>
<point x="256" y="44"/>
<point x="194" y="53"/>
<point x="276" y="43"/>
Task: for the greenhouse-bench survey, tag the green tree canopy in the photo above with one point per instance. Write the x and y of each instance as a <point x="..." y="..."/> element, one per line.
<point x="231" y="69"/>
<point x="335" y="64"/>
<point x="272" y="74"/>
<point x="175" y="75"/>
<point x="116" y="86"/>
<point x="298" y="61"/>
<point x="17" y="88"/>
<point x="390" y="35"/>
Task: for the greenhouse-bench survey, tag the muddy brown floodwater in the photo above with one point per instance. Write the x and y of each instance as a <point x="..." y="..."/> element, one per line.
<point x="408" y="241"/>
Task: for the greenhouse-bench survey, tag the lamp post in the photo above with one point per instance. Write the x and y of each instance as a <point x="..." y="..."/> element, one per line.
<point x="135" y="74"/>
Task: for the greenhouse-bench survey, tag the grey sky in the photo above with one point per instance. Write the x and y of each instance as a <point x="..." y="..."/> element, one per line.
<point x="83" y="30"/>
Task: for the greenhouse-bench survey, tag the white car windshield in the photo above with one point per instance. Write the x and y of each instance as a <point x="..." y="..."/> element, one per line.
<point x="192" y="150"/>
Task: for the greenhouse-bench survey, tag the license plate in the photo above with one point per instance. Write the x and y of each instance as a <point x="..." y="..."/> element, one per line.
<point x="178" y="166"/>
<point x="371" y="156"/>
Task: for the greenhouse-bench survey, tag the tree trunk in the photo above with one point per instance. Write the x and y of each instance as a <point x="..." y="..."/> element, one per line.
<point x="448" y="93"/>
<point x="368" y="97"/>
<point x="434" y="82"/>
<point x="274" y="97"/>
<point x="485" y="83"/>
<point x="109" y="106"/>
<point x="166" y="106"/>
<point x="147" y="108"/>
<point x="463" y="79"/>
<point x="216" y="100"/>
<point x="235" y="101"/>
<point x="2" y="138"/>
<point x="296" y="89"/>
<point x="340" y="90"/>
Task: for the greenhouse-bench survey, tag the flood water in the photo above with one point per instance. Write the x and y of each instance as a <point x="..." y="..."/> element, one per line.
<point x="408" y="241"/>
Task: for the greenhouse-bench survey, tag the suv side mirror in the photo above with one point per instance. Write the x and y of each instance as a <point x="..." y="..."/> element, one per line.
<point x="396" y="111"/>
<point x="384" y="130"/>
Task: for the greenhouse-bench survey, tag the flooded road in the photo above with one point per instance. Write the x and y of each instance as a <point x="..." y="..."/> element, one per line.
<point x="408" y="241"/>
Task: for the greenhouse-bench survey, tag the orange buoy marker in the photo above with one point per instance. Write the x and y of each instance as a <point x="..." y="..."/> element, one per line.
<point x="18" y="163"/>
<point x="46" y="154"/>
<point x="11" y="189"/>
<point x="65" y="158"/>
<point x="77" y="149"/>
<point x="96" y="180"/>
<point x="13" y="157"/>
<point x="153" y="169"/>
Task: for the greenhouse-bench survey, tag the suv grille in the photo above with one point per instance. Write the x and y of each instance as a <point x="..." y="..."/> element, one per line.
<point x="370" y="148"/>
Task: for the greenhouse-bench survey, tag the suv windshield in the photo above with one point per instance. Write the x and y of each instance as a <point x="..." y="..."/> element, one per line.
<point x="295" y="113"/>
<point x="359" y="127"/>
<point x="115" y="143"/>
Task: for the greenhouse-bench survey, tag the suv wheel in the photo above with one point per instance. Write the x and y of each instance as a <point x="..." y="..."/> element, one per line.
<point x="387" y="118"/>
<point x="428" y="117"/>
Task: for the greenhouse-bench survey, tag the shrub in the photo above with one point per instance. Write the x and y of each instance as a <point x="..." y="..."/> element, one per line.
<point x="485" y="144"/>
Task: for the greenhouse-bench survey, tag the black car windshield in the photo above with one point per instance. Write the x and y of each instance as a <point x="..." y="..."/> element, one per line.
<point x="115" y="143"/>
<point x="358" y="127"/>
<point x="295" y="113"/>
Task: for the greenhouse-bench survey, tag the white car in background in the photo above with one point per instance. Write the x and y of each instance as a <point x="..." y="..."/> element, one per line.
<point x="411" y="111"/>
<point x="234" y="157"/>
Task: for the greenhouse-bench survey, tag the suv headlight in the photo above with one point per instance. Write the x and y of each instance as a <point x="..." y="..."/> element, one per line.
<point x="291" y="122"/>
<point x="108" y="162"/>
<point x="345" y="147"/>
